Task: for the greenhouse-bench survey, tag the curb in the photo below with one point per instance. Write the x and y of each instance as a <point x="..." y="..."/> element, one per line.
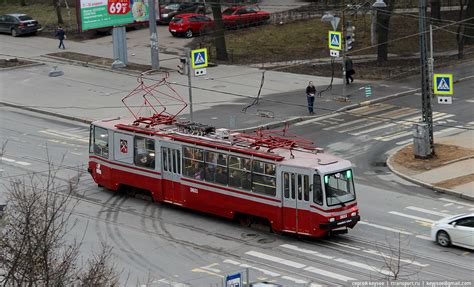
<point x="34" y="64"/>
<point x="422" y="183"/>
<point x="58" y="115"/>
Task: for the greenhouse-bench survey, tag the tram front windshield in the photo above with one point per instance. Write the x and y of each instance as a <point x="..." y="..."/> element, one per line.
<point x="339" y="187"/>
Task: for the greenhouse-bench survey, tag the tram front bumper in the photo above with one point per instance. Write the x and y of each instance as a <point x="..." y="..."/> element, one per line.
<point x="346" y="222"/>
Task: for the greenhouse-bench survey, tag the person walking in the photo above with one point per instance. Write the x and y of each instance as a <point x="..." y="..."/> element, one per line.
<point x="61" y="35"/>
<point x="349" y="69"/>
<point x="310" y="93"/>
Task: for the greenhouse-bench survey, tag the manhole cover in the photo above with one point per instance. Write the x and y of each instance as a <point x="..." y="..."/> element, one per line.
<point x="266" y="240"/>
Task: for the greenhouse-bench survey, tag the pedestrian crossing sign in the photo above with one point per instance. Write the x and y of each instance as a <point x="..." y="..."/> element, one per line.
<point x="199" y="58"/>
<point x="334" y="40"/>
<point x="443" y="84"/>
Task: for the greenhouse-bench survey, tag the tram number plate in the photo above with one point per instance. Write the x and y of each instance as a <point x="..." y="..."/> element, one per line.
<point x="343" y="216"/>
<point x="193" y="190"/>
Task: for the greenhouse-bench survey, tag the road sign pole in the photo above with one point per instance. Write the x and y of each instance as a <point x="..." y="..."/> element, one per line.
<point x="343" y="43"/>
<point x="155" y="62"/>
<point x="188" y="61"/>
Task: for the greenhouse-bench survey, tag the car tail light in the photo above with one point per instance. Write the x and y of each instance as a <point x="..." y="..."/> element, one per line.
<point x="22" y="25"/>
<point x="353" y="214"/>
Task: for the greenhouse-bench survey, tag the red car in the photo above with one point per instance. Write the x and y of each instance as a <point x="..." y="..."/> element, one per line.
<point x="191" y="24"/>
<point x="242" y="16"/>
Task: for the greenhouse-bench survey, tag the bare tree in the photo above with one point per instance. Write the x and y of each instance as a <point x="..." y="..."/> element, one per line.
<point x="461" y="32"/>
<point x="100" y="272"/>
<point x="34" y="249"/>
<point x="382" y="30"/>
<point x="395" y="267"/>
<point x="219" y="34"/>
<point x="57" y="8"/>
<point x="469" y="25"/>
<point x="435" y="10"/>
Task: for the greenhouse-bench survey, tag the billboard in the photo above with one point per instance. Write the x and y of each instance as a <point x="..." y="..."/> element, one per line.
<point x="95" y="14"/>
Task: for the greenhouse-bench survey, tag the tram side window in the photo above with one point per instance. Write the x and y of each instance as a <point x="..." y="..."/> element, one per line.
<point x="317" y="190"/>
<point x="264" y="178"/>
<point x="101" y="142"/>
<point x="144" y="149"/>
<point x="306" y="188"/>
<point x="286" y="185"/>
<point x="193" y="163"/>
<point x="240" y="175"/>
<point x="215" y="167"/>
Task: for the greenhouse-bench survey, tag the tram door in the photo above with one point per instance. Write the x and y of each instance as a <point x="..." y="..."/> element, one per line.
<point x="295" y="198"/>
<point x="171" y="170"/>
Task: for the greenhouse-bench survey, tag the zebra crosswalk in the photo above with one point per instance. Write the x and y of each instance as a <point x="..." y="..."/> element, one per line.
<point x="381" y="122"/>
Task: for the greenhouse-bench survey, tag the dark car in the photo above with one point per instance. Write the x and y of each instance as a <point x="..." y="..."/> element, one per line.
<point x="18" y="24"/>
<point x="169" y="11"/>
<point x="191" y="24"/>
<point x="242" y="16"/>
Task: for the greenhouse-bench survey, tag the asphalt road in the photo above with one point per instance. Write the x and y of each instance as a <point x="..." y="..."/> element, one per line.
<point x="167" y="245"/>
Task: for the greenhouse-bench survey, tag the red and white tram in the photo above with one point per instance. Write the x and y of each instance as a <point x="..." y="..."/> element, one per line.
<point x="296" y="190"/>
<point x="266" y="177"/>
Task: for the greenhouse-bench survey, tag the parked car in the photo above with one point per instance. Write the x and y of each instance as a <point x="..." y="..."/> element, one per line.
<point x="242" y="16"/>
<point x="191" y="24"/>
<point x="169" y="11"/>
<point x="455" y="230"/>
<point x="18" y="24"/>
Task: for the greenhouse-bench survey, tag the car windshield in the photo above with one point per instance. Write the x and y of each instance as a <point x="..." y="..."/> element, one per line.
<point x="173" y="6"/>
<point x="177" y="20"/>
<point x="25" y="18"/>
<point x="228" y="11"/>
<point x="339" y="187"/>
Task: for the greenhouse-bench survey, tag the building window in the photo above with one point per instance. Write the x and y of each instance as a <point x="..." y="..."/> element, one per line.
<point x="240" y="175"/>
<point x="144" y="149"/>
<point x="101" y="142"/>
<point x="264" y="181"/>
<point x="215" y="167"/>
<point x="193" y="163"/>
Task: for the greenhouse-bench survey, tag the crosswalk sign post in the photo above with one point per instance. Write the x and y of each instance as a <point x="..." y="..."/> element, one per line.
<point x="199" y="58"/>
<point x="335" y="40"/>
<point x="443" y="84"/>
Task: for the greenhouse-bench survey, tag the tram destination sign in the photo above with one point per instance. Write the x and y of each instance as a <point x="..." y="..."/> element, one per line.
<point x="96" y="14"/>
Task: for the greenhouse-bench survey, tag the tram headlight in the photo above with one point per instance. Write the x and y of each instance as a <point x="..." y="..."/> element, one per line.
<point x="353" y="214"/>
<point x="331" y="219"/>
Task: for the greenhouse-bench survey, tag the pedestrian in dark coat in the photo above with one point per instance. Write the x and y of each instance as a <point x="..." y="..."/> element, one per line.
<point x="61" y="35"/>
<point x="349" y="70"/>
<point x="310" y="93"/>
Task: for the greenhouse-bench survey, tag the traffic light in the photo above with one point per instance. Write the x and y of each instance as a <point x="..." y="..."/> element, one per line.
<point x="182" y="66"/>
<point x="350" y="36"/>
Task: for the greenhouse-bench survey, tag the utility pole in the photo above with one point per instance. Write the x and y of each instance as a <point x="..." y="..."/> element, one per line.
<point x="155" y="62"/>
<point x="343" y="39"/>
<point x="188" y="62"/>
<point x="427" y="148"/>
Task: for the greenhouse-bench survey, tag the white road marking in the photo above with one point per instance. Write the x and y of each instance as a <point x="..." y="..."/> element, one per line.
<point x="307" y="251"/>
<point x="317" y="119"/>
<point x="344" y="245"/>
<point x="316" y="285"/>
<point x="364" y="266"/>
<point x="386" y="118"/>
<point x="275" y="259"/>
<point x="297" y="281"/>
<point x="459" y="207"/>
<point x="411" y="261"/>
<point x="457" y="202"/>
<point x="448" y="204"/>
<point x="65" y="135"/>
<point x="14" y="161"/>
<point x="328" y="274"/>
<point x="443" y="131"/>
<point x="210" y="268"/>
<point x="385" y="228"/>
<point x="428" y="211"/>
<point x="23" y="163"/>
<point x="470" y="101"/>
<point x="424" y="237"/>
<point x="344" y="124"/>
<point x="411" y="216"/>
<point x="7" y="159"/>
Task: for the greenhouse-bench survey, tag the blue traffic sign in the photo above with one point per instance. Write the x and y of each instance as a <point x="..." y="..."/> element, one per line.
<point x="335" y="40"/>
<point x="443" y="84"/>
<point x="199" y="58"/>
<point x="234" y="280"/>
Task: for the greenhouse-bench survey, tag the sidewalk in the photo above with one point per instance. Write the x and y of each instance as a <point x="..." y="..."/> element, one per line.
<point x="453" y="176"/>
<point x="87" y="93"/>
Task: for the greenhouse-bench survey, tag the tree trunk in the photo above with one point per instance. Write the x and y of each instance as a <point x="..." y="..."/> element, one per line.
<point x="219" y="35"/>
<point x="383" y="23"/>
<point x="57" y="7"/>
<point x="22" y="2"/>
<point x="469" y="27"/>
<point x="435" y="11"/>
<point x="460" y="36"/>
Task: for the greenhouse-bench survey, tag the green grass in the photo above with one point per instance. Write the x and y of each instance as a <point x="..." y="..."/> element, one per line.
<point x="44" y="13"/>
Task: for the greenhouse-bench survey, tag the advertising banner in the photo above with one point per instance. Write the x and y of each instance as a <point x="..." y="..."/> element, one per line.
<point x="108" y="13"/>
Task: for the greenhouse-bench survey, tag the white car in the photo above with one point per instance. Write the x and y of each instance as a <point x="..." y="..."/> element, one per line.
<point x="455" y="230"/>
